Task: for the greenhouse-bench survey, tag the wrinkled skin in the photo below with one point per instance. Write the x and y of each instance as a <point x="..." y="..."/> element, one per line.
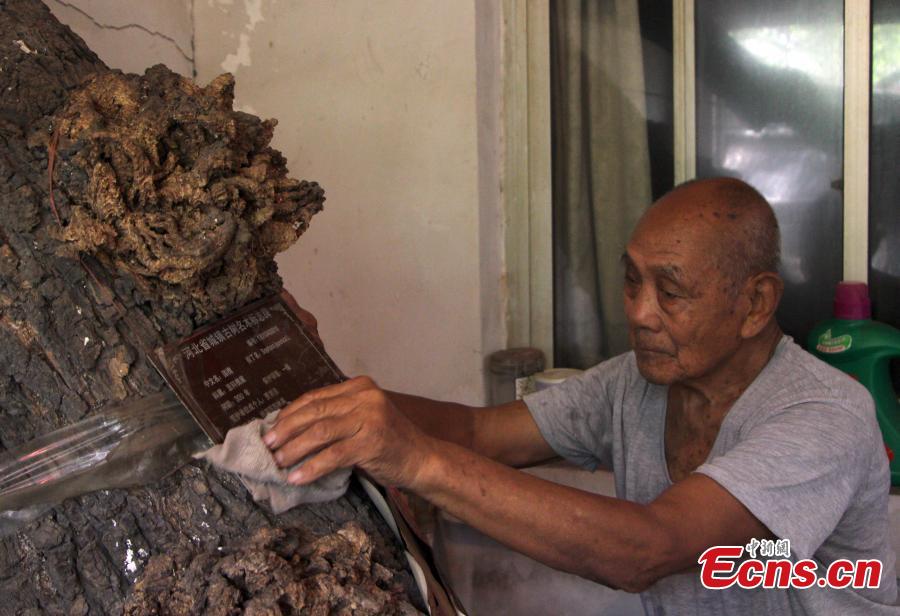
<point x="353" y="423"/>
<point x="684" y="318"/>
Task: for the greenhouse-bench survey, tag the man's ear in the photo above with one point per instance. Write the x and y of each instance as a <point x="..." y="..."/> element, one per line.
<point x="764" y="292"/>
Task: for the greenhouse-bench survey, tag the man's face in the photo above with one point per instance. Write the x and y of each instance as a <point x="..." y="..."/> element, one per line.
<point x="683" y="319"/>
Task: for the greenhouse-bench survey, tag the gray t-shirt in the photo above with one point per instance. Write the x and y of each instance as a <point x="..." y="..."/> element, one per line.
<point x="800" y="448"/>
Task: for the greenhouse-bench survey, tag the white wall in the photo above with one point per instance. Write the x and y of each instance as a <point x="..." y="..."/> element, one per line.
<point x="133" y="34"/>
<point x="377" y="101"/>
<point x="394" y="107"/>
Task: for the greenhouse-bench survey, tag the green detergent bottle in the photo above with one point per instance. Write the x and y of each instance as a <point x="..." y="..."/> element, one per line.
<point x="863" y="348"/>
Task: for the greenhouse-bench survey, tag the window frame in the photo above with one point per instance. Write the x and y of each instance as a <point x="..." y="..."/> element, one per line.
<point x="527" y="175"/>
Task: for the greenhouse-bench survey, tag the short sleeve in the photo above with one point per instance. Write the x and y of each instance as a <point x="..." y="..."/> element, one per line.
<point x="798" y="470"/>
<point x="576" y="416"/>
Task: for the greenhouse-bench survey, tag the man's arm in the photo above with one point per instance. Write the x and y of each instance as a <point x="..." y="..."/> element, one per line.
<point x="616" y="542"/>
<point x="505" y="433"/>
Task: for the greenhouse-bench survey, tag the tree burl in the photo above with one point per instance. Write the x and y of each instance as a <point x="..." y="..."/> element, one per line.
<point x="167" y="209"/>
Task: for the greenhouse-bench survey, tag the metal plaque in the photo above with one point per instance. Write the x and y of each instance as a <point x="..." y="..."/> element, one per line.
<point x="245" y="366"/>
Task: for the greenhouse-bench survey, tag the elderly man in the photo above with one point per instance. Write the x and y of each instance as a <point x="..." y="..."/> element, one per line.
<point x="719" y="429"/>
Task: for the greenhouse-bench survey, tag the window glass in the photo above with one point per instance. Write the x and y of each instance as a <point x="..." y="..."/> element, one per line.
<point x="884" y="154"/>
<point x="770" y="111"/>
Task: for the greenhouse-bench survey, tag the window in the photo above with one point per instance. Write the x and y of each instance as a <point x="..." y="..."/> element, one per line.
<point x="769" y="109"/>
<point x="770" y="93"/>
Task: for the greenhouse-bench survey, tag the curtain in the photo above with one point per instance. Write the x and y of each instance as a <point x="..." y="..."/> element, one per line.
<point x="601" y="170"/>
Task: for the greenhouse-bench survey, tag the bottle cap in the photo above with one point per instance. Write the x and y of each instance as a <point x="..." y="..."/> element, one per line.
<point x="851" y="301"/>
<point x="555" y="376"/>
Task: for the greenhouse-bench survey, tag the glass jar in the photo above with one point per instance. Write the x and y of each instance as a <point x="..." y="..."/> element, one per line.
<point x="509" y="370"/>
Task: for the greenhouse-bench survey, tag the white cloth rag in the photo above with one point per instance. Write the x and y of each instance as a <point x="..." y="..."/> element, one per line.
<point x="245" y="454"/>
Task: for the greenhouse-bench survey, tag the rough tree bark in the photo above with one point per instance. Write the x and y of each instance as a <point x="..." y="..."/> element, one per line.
<point x="167" y="209"/>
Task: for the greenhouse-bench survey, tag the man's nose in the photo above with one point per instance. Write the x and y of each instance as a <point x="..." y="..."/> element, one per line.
<point x="642" y="309"/>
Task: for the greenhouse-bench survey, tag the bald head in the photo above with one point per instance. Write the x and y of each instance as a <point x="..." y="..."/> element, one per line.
<point x="731" y="218"/>
<point x="701" y="290"/>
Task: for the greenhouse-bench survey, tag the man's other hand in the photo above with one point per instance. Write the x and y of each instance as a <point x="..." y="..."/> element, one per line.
<point x="353" y="423"/>
<point x="305" y="316"/>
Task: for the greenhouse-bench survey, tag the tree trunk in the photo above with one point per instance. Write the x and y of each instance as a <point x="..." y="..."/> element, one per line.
<point x="167" y="208"/>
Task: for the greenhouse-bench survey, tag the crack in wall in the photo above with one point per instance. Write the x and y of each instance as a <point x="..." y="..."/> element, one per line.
<point x="102" y="26"/>
<point x="193" y="39"/>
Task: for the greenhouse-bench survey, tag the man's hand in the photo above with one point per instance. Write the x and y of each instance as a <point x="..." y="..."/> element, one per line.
<point x="353" y="423"/>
